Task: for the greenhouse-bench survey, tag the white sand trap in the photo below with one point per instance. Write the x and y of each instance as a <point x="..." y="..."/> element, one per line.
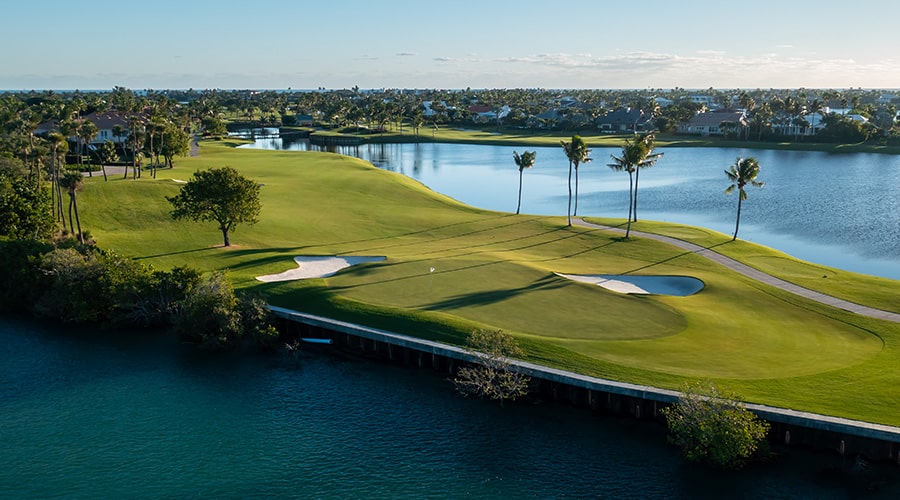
<point x="657" y="285"/>
<point x="317" y="267"/>
<point x="179" y="181"/>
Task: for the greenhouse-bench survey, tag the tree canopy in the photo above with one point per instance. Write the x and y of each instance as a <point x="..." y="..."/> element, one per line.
<point x="222" y="195"/>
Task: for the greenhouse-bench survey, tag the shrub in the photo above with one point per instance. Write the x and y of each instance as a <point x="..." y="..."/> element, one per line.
<point x="491" y="378"/>
<point x="713" y="426"/>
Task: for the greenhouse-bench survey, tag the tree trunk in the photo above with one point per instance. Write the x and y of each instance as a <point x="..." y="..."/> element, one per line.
<point x="738" y="222"/>
<point x="575" y="212"/>
<point x="630" y="205"/>
<point x="520" y="192"/>
<point x="71" y="203"/>
<point x="637" y="175"/>
<point x="77" y="219"/>
<point x="226" y="240"/>
<point x="569" y="209"/>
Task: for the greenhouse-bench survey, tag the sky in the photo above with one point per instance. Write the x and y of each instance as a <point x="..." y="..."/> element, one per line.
<point x="568" y="44"/>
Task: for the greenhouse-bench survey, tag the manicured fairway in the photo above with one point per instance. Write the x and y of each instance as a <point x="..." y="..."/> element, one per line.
<point x="496" y="270"/>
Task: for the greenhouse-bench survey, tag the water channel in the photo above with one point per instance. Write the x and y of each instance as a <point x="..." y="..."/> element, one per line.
<point x="122" y="414"/>
<point x="839" y="210"/>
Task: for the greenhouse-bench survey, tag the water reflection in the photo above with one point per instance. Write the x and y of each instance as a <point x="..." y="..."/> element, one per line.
<point x="836" y="210"/>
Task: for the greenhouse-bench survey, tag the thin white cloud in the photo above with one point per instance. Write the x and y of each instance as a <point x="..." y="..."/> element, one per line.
<point x="406" y="54"/>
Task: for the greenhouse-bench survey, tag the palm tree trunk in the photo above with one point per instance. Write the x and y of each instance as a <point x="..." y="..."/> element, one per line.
<point x="77" y="219"/>
<point x="569" y="209"/>
<point x="519" y="205"/>
<point x="575" y="212"/>
<point x="630" y="205"/>
<point x="738" y="222"/>
<point x="71" y="202"/>
<point x="637" y="175"/>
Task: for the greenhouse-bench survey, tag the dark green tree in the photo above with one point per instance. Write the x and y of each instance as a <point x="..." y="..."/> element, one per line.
<point x="526" y="160"/>
<point x="26" y="208"/>
<point x="222" y="195"/>
<point x="743" y="172"/>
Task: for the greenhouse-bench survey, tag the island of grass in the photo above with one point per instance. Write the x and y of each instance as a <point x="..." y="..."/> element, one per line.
<point x="451" y="268"/>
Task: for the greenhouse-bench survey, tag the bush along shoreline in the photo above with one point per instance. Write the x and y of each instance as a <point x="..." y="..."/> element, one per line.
<point x="86" y="285"/>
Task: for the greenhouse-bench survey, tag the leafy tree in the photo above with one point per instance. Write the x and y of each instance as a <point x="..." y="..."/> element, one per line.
<point x="208" y="315"/>
<point x="491" y="378"/>
<point x="108" y="153"/>
<point x="71" y="182"/>
<point x="714" y="426"/>
<point x="213" y="126"/>
<point x="26" y="209"/>
<point x="176" y="142"/>
<point x="222" y="195"/>
<point x="74" y="289"/>
<point x="523" y="162"/>
<point x="743" y="172"/>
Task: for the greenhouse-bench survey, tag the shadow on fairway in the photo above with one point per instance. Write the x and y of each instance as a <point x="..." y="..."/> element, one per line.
<point x="493" y="296"/>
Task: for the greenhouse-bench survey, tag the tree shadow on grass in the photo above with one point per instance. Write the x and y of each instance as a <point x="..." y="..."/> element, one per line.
<point x="549" y="282"/>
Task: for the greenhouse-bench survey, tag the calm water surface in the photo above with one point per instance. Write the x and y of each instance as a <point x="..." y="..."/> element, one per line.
<point x="120" y="415"/>
<point x="840" y="210"/>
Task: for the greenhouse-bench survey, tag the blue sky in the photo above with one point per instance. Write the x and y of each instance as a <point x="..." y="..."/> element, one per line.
<point x="162" y="44"/>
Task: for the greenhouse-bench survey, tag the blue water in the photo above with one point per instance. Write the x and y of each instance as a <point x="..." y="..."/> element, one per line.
<point x="839" y="210"/>
<point x="130" y="415"/>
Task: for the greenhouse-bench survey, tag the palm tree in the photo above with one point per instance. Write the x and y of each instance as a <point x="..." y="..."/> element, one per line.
<point x="580" y="154"/>
<point x="646" y="158"/>
<point x="523" y="162"/>
<point x="87" y="131"/>
<point x="637" y="153"/>
<point x="570" y="154"/>
<point x="743" y="172"/>
<point x="58" y="147"/>
<point x="71" y="181"/>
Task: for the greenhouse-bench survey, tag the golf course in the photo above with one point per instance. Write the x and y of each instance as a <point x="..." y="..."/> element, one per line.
<point x="449" y="268"/>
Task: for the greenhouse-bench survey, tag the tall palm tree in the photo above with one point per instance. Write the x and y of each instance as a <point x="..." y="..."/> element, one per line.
<point x="577" y="153"/>
<point x="742" y="173"/>
<point x="570" y="154"/>
<point x="72" y="181"/>
<point x="523" y="162"/>
<point x="646" y="159"/>
<point x="637" y="153"/>
<point x="58" y="147"/>
<point x="88" y="131"/>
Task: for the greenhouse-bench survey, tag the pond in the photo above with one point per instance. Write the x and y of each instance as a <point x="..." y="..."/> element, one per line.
<point x="123" y="414"/>
<point x="839" y="210"/>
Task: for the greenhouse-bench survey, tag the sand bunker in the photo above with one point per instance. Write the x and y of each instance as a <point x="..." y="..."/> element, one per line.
<point x="317" y="267"/>
<point x="680" y="286"/>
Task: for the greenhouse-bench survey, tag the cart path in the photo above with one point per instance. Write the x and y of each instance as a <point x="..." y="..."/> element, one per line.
<point x="754" y="273"/>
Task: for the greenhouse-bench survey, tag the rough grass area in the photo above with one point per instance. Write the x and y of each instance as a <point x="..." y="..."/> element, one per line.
<point x="495" y="270"/>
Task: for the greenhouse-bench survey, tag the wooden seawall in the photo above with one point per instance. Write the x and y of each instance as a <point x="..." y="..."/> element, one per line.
<point x="795" y="428"/>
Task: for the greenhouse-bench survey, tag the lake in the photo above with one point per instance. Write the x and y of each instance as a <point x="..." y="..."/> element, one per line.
<point x="839" y="210"/>
<point x="121" y="414"/>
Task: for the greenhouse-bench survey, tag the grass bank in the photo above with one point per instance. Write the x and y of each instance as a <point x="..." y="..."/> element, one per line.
<point x="497" y="270"/>
<point x="506" y="136"/>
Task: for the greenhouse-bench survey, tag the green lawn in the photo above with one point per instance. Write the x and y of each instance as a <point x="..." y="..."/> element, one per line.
<point x="508" y="136"/>
<point x="496" y="270"/>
